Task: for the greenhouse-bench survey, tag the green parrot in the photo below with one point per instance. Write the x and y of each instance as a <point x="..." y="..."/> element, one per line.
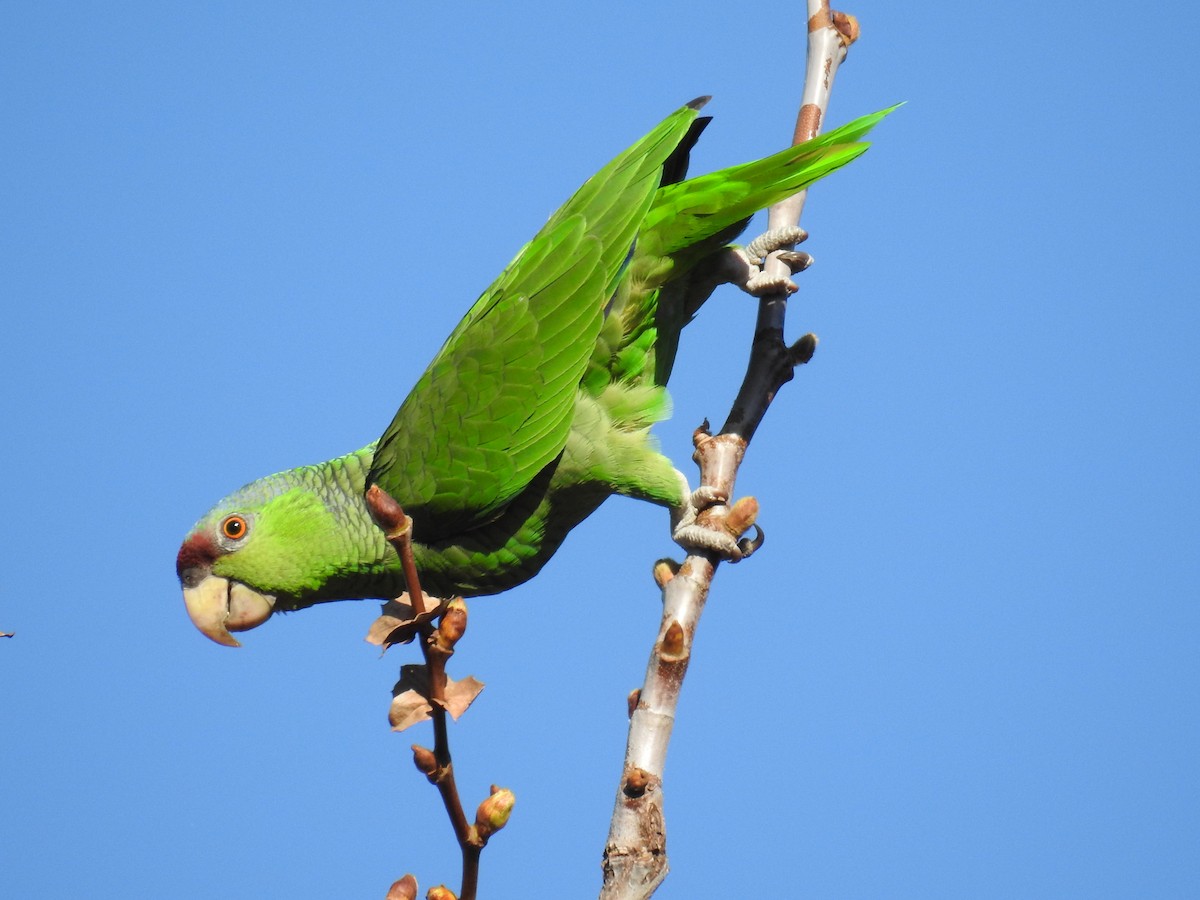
<point x="536" y="409"/>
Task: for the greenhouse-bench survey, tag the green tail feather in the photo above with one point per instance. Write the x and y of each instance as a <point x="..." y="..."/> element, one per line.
<point x="689" y="212"/>
<point x="688" y="223"/>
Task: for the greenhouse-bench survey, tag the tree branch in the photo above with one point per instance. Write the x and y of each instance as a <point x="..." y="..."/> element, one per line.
<point x="635" y="858"/>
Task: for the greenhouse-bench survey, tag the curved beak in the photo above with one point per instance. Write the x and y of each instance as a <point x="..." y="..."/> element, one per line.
<point x="218" y="606"/>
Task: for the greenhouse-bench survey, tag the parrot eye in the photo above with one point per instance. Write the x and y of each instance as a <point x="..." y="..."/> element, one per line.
<point x="234" y="528"/>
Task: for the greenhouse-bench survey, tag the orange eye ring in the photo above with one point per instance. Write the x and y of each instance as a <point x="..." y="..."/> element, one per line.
<point x="234" y="528"/>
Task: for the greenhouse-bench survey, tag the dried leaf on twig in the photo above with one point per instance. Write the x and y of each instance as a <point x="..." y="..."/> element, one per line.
<point x="461" y="694"/>
<point x="410" y="697"/>
<point x="397" y="624"/>
<point x="407" y="710"/>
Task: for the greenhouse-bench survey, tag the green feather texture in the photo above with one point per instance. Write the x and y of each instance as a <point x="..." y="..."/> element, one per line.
<point x="538" y="405"/>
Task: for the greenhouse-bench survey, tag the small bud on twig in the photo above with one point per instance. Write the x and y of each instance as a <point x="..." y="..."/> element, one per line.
<point x="453" y="623"/>
<point x="847" y="27"/>
<point x="493" y="812"/>
<point x="672" y="649"/>
<point x="802" y="351"/>
<point x="424" y="760"/>
<point x="634" y="698"/>
<point x="404" y="889"/>
<point x="636" y="782"/>
<point x="387" y="513"/>
<point x="441" y="892"/>
<point x="664" y="571"/>
<point x="741" y="516"/>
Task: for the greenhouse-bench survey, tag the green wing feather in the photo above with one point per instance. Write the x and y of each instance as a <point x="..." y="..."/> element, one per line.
<point x="496" y="404"/>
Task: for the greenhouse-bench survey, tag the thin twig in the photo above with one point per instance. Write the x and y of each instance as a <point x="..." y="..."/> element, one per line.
<point x="437" y="646"/>
<point x="772" y="362"/>
<point x="635" y="859"/>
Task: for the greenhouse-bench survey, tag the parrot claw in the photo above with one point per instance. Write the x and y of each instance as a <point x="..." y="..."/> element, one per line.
<point x="795" y="260"/>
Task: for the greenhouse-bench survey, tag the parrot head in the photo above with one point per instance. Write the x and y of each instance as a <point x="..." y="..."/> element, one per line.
<point x="279" y="543"/>
<point x="208" y="565"/>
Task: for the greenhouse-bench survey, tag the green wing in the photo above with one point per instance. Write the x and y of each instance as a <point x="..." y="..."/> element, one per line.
<point x="495" y="405"/>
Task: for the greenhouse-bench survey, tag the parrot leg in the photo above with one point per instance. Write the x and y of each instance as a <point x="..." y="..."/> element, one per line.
<point x="746" y="270"/>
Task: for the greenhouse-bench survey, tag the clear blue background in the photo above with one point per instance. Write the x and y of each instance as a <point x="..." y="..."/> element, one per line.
<point x="965" y="663"/>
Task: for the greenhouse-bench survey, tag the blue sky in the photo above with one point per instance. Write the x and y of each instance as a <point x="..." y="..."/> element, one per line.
<point x="981" y="673"/>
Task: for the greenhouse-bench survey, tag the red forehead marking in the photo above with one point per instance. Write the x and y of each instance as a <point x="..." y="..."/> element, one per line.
<point x="197" y="551"/>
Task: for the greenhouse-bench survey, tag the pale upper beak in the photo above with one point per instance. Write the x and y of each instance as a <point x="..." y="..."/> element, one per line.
<point x="218" y="606"/>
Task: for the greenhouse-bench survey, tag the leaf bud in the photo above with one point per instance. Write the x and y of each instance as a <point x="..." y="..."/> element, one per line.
<point x="424" y="760"/>
<point x="741" y="516"/>
<point x="453" y="624"/>
<point x="387" y="513"/>
<point x="802" y="351"/>
<point x="847" y="27"/>
<point x="404" y="889"/>
<point x="493" y="812"/>
<point x="664" y="571"/>
<point x="636" y="782"/>
<point x="672" y="647"/>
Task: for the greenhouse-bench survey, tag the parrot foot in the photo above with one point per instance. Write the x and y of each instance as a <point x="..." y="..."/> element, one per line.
<point x="694" y="537"/>
<point x="751" y="257"/>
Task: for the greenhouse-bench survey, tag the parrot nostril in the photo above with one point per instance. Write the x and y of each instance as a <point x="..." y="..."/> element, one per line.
<point x="196" y="556"/>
